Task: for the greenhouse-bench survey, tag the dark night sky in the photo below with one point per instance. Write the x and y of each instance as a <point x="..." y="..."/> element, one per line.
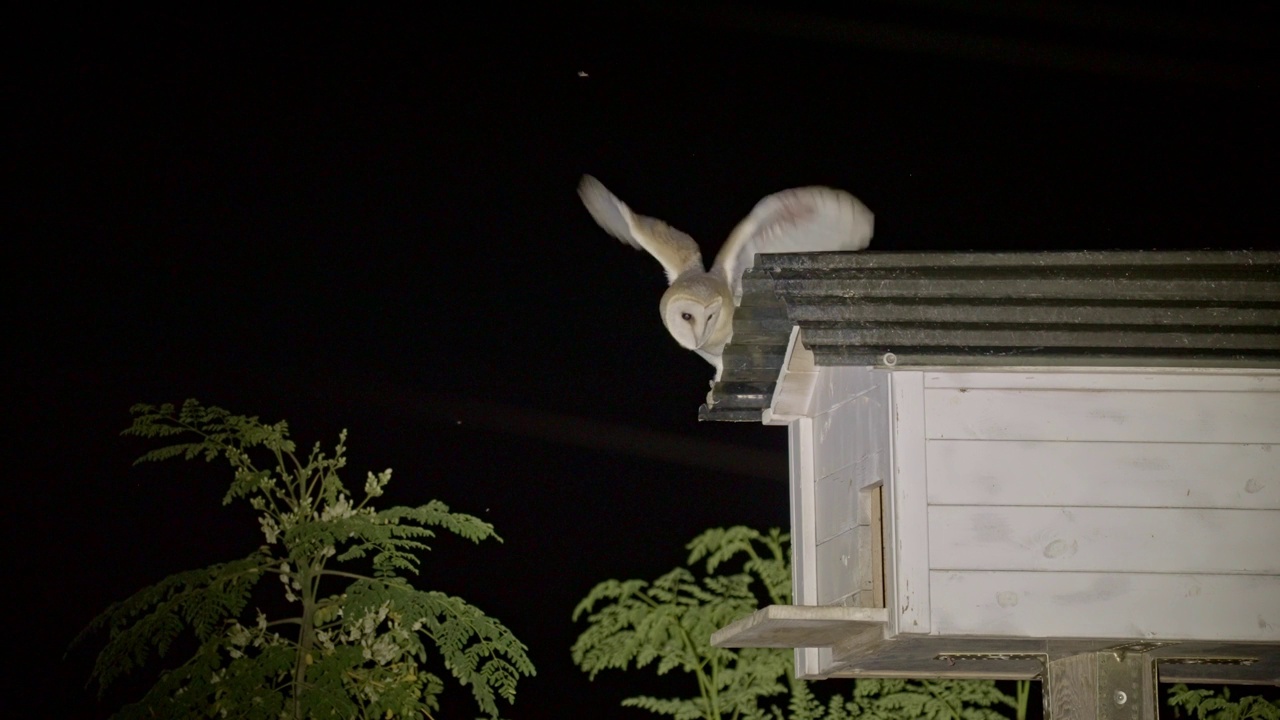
<point x="370" y="222"/>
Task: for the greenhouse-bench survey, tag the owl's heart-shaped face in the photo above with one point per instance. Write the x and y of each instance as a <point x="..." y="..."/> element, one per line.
<point x="692" y="320"/>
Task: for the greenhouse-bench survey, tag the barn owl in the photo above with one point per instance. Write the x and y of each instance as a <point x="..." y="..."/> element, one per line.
<point x="697" y="308"/>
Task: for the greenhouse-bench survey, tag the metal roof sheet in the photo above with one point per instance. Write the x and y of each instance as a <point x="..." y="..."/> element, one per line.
<point x="1205" y="308"/>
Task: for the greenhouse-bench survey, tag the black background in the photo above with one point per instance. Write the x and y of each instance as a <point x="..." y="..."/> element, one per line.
<point x="369" y="221"/>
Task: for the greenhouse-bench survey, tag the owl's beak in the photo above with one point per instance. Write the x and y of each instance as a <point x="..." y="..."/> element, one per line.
<point x="708" y="330"/>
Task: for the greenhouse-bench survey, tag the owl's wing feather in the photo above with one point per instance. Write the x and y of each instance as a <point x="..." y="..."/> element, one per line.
<point x="676" y="251"/>
<point x="807" y="219"/>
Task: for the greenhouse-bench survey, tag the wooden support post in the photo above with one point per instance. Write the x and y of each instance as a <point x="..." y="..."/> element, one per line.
<point x="1109" y="685"/>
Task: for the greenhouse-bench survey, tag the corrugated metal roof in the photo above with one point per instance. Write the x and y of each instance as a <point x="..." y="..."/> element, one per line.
<point x="1147" y="308"/>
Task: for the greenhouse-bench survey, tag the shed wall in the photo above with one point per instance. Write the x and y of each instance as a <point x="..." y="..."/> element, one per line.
<point x="1104" y="504"/>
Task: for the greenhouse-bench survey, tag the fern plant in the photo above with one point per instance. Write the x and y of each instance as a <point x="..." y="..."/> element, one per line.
<point x="1205" y="704"/>
<point x="895" y="699"/>
<point x="358" y="644"/>
<point x="669" y="621"/>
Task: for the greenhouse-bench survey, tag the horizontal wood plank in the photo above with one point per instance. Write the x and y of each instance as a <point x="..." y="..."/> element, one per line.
<point x="1111" y="605"/>
<point x="852" y="431"/>
<point x="1187" y="379"/>
<point x="1148" y="540"/>
<point x="835" y="504"/>
<point x="1104" y="474"/>
<point x="791" y="626"/>
<point x="837" y="568"/>
<point x="1121" y="416"/>
<point x="839" y="384"/>
<point x="834" y="445"/>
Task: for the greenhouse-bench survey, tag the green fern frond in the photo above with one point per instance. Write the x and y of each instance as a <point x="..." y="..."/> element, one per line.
<point x="357" y="653"/>
<point x="479" y="651"/>
<point x="668" y="622"/>
<point x="675" y="708"/>
<point x="1208" y="704"/>
<point x="154" y="617"/>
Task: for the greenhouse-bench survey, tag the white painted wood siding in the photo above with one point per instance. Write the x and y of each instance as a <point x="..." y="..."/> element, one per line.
<point x="1104" y="539"/>
<point x="1114" y="416"/>
<point x="1107" y="605"/>
<point x="1125" y="474"/>
<point x="907" y="548"/>
<point x="1139" y="505"/>
<point x="850" y="453"/>
<point x="838" y="452"/>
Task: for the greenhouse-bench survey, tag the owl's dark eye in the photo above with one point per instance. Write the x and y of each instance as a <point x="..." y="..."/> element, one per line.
<point x="686" y="317"/>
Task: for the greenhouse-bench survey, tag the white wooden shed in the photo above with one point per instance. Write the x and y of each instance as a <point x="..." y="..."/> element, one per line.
<point x="1030" y="465"/>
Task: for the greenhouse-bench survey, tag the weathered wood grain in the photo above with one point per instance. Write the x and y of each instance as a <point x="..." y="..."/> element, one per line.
<point x="1072" y="539"/>
<point x="1120" y="416"/>
<point x="1104" y="474"/>
<point x="1113" y="605"/>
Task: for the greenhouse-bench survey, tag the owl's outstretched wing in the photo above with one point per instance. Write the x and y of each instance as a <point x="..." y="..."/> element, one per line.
<point x="808" y="219"/>
<point x="676" y="251"/>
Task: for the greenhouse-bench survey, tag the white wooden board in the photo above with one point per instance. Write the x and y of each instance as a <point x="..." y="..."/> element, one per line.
<point x="1187" y="379"/>
<point x="794" y="392"/>
<point x="907" y="553"/>
<point x="1122" y="416"/>
<point x="838" y="569"/>
<point x="833" y="446"/>
<point x="1132" y="504"/>
<point x="1110" y="605"/>
<point x="789" y="626"/>
<point x="848" y="432"/>
<point x="839" y="384"/>
<point x="836" y="495"/>
<point x="1143" y="540"/>
<point x="804" y="561"/>
<point x="835" y="504"/>
<point x="1107" y="474"/>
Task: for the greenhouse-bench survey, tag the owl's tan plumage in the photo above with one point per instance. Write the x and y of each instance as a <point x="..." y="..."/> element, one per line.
<point x="697" y="308"/>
